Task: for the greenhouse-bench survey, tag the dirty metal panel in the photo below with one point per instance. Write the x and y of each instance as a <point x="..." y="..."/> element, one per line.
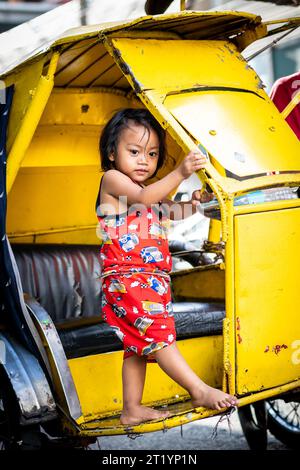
<point x="63" y="383"/>
<point x="28" y="382"/>
<point x="98" y="378"/>
<point x="180" y="413"/>
<point x="199" y="283"/>
<point x="25" y="84"/>
<point x="183" y="64"/>
<point x="243" y="132"/>
<point x="88" y="109"/>
<point x="267" y="299"/>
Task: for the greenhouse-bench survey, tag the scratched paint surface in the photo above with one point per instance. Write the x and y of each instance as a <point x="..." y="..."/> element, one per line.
<point x="214" y="63"/>
<point x="267" y="299"/>
<point x="242" y="131"/>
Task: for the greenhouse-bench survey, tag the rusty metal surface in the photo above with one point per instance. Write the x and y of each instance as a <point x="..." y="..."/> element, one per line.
<point x="66" y="393"/>
<point x="28" y="381"/>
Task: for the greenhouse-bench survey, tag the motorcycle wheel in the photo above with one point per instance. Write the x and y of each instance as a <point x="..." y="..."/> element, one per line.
<point x="284" y="421"/>
<point x="253" y="419"/>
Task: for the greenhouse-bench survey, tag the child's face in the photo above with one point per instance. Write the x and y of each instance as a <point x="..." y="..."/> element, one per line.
<point x="137" y="152"/>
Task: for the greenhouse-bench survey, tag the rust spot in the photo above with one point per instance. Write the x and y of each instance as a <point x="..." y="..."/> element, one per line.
<point x="126" y="70"/>
<point x="188" y="90"/>
<point x="239" y="338"/>
<point x="228" y="49"/>
<point x="85" y="108"/>
<point x="238" y="325"/>
<point x="260" y="84"/>
<point x="277" y="348"/>
<point x="128" y="429"/>
<point x="47" y="324"/>
<point x="267" y="349"/>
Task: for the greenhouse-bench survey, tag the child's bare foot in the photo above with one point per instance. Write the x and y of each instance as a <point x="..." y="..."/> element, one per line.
<point x="213" y="398"/>
<point x="139" y="414"/>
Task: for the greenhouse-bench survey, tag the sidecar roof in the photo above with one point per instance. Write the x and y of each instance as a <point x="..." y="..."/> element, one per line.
<point x="202" y="90"/>
<point x="186" y="24"/>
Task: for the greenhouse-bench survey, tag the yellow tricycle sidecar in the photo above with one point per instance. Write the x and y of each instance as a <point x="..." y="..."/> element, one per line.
<point x="239" y="328"/>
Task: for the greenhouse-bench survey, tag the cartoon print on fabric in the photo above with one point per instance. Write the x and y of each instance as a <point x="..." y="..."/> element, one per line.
<point x="136" y="261"/>
<point x="129" y="241"/>
<point x="151" y="254"/>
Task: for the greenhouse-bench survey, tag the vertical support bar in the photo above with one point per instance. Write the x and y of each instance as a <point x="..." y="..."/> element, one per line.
<point x="229" y="324"/>
<point x="30" y="122"/>
<point x="214" y="233"/>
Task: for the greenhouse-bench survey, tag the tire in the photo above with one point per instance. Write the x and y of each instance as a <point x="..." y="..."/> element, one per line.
<point x="284" y="421"/>
<point x="253" y="419"/>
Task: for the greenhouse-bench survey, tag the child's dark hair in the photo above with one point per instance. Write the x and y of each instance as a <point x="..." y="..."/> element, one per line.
<point x="112" y="130"/>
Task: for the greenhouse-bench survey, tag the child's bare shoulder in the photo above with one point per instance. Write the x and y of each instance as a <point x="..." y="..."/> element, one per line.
<point x="114" y="182"/>
<point x="111" y="175"/>
<point x="111" y="178"/>
<point x="115" y="177"/>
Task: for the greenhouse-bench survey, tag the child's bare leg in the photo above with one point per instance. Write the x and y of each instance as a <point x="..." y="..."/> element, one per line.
<point x="133" y="374"/>
<point x="173" y="363"/>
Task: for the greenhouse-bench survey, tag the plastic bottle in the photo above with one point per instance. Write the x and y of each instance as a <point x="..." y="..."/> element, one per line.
<point x="211" y="209"/>
<point x="265" y="195"/>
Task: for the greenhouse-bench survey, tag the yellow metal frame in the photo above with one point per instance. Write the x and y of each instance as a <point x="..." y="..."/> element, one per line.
<point x="30" y="122"/>
<point x="90" y="373"/>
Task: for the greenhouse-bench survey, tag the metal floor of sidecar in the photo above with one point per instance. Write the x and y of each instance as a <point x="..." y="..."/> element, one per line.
<point x="180" y="413"/>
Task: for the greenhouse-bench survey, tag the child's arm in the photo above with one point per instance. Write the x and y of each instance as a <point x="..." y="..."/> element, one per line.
<point x="118" y="184"/>
<point x="184" y="209"/>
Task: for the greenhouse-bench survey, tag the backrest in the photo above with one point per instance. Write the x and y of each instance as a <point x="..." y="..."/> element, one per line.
<point x="63" y="278"/>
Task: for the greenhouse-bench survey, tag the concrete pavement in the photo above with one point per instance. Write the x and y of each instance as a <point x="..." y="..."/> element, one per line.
<point x="197" y="436"/>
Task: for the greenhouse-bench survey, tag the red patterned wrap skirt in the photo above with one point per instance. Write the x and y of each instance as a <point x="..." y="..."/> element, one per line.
<point x="138" y="307"/>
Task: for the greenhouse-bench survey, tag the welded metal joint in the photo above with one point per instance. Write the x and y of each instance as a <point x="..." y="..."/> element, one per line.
<point x="124" y="67"/>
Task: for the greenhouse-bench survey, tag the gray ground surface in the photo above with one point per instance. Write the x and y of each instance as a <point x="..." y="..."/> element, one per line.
<point x="196" y="436"/>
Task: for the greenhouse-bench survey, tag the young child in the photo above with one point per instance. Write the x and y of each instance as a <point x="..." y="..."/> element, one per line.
<point x="136" y="261"/>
